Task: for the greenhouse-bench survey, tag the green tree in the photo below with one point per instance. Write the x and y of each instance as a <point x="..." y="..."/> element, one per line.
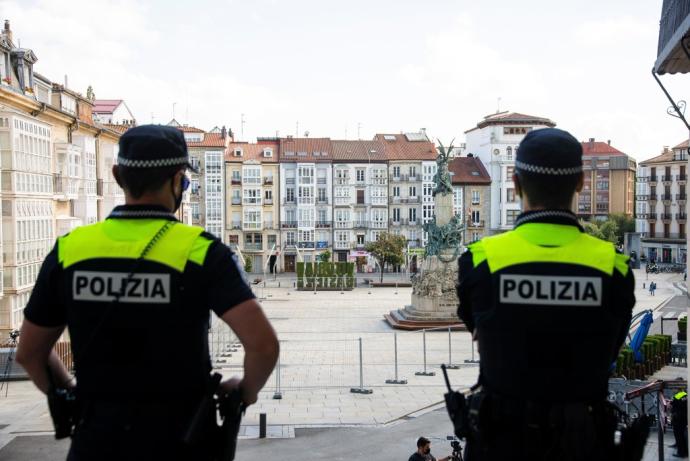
<point x="610" y="231"/>
<point x="248" y="264"/>
<point x="388" y="249"/>
<point x="625" y="224"/>
<point x="325" y="256"/>
<point x="593" y="229"/>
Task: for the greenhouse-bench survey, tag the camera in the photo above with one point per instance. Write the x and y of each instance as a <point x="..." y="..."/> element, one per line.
<point x="14" y="334"/>
<point x="457" y="449"/>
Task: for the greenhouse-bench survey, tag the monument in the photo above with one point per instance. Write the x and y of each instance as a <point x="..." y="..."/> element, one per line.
<point x="434" y="300"/>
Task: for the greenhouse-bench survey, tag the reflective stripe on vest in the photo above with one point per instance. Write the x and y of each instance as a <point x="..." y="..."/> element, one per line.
<point x="126" y="238"/>
<point x="569" y="246"/>
<point x="680" y="395"/>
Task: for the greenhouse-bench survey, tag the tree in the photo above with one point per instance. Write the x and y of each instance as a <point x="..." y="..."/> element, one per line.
<point x="625" y="224"/>
<point x="248" y="264"/>
<point x="388" y="249"/>
<point x="612" y="229"/>
<point x="325" y="256"/>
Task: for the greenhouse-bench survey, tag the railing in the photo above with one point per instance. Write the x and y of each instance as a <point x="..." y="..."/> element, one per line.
<point x="652" y="178"/>
<point x="288" y="224"/>
<point x="642" y="197"/>
<point x="652" y="216"/>
<point x="322" y="201"/>
<point x="342" y="181"/>
<point x="667" y="178"/>
<point x="666" y="216"/>
<point x="342" y="245"/>
<point x="681" y="177"/>
<point x="681" y="196"/>
<point x="343" y="224"/>
<point x="360" y="225"/>
<point x="236" y="201"/>
<point x="473" y="224"/>
<point x="323" y="224"/>
<point x="681" y="216"/>
<point x="669" y="235"/>
<point x="237" y="224"/>
<point x="253" y="247"/>
<point x="321" y="181"/>
<point x="269" y="225"/>
<point x="268" y="201"/>
<point x="653" y="198"/>
<point x="268" y="180"/>
<point x="666" y="197"/>
<point x="236" y="181"/>
<point x="251" y="225"/>
<point x="306" y="244"/>
<point x="405" y="199"/>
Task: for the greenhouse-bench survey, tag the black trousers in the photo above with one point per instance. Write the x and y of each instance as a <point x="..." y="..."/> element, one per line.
<point x="680" y="433"/>
<point x="145" y="431"/>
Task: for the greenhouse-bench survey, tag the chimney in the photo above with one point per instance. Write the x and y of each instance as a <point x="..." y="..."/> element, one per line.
<point x="591" y="139"/>
<point x="223" y="132"/>
<point x="66" y="86"/>
<point x="608" y="142"/>
<point x="7" y="32"/>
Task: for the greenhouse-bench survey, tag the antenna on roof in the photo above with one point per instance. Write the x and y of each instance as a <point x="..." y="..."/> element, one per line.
<point x="296" y="128"/>
<point x="242" y="126"/>
<point x="359" y="126"/>
<point x="498" y="105"/>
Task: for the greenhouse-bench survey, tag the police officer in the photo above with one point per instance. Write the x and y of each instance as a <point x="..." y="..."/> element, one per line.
<point x="679" y="419"/>
<point x="135" y="292"/>
<point x="549" y="306"/>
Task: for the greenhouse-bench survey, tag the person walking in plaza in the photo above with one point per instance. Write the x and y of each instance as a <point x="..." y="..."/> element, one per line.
<point x="549" y="306"/>
<point x="136" y="293"/>
<point x="652" y="288"/>
<point x="423" y="452"/>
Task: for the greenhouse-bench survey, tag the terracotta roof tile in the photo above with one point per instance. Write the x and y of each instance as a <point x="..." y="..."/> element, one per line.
<point x="251" y="152"/>
<point x="512" y="118"/>
<point x="106" y="106"/>
<point x="363" y="151"/>
<point x="468" y="170"/>
<point x="666" y="156"/>
<point x="303" y="149"/>
<point x="684" y="145"/>
<point x="599" y="148"/>
<point x="398" y="147"/>
<point x="119" y="128"/>
<point x="190" y="129"/>
<point x="210" y="140"/>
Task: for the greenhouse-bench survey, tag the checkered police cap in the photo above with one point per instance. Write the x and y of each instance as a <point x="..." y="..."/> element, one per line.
<point x="549" y="151"/>
<point x="153" y="146"/>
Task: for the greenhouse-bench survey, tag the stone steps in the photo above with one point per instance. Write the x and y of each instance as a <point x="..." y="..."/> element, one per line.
<point x="401" y="320"/>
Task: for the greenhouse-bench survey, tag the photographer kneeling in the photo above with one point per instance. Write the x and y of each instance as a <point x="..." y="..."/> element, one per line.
<point x="423" y="452"/>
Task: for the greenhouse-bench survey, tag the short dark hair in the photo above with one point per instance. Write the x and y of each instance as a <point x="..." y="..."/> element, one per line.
<point x="138" y="181"/>
<point x="422" y="442"/>
<point x="548" y="191"/>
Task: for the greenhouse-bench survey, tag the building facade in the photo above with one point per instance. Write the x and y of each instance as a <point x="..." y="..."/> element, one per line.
<point x="252" y="207"/>
<point x="306" y="188"/>
<point x="206" y="206"/>
<point x="360" y="200"/>
<point x="494" y="141"/>
<point x="661" y="216"/>
<point x="471" y="196"/>
<point x="50" y="179"/>
<point x="609" y="182"/>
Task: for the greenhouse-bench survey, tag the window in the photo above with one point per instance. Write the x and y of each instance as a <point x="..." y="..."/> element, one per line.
<point x="251" y="196"/>
<point x="236" y="176"/>
<point x="359" y="174"/>
<point x="517" y="129"/>
<point x="195" y="210"/>
<point x="475" y="197"/>
<point x="510" y="195"/>
<point x="511" y="216"/>
<point x="510" y="171"/>
<point x="290" y="195"/>
<point x="271" y="240"/>
<point x="251" y="175"/>
<point x="360" y="196"/>
<point x="509" y="153"/>
<point x="396" y="191"/>
<point x="194" y="186"/>
<point x="290" y="238"/>
<point x="322" y="217"/>
<point x="475" y="236"/>
<point x="412" y="215"/>
<point x="412" y="191"/>
<point x="322" y="195"/>
<point x="396" y="171"/>
<point x="475" y="217"/>
<point x="268" y="195"/>
<point x="396" y="214"/>
<point x="360" y="239"/>
<point x="413" y="171"/>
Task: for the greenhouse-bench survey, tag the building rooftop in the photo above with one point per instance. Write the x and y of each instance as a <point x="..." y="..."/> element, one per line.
<point x="409" y="146"/>
<point x="106" y="106"/>
<point x="512" y="118"/>
<point x="362" y="151"/>
<point x="118" y="128"/>
<point x="668" y="155"/>
<point x="468" y="170"/>
<point x="306" y="150"/>
<point x="210" y="140"/>
<point x="593" y="147"/>
<point x="252" y="152"/>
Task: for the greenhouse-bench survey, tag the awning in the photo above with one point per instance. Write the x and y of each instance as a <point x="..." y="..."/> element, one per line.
<point x="674" y="25"/>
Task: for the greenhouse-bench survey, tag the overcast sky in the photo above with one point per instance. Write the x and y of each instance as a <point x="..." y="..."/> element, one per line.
<point x="382" y="65"/>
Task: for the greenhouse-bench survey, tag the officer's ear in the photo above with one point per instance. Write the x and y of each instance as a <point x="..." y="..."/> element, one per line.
<point x="580" y="182"/>
<point x="116" y="175"/>
<point x="518" y="187"/>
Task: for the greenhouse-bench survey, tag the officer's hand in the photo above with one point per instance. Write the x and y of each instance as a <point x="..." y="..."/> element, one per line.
<point x="235" y="383"/>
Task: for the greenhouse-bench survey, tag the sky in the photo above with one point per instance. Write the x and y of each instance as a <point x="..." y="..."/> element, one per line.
<point x="350" y="69"/>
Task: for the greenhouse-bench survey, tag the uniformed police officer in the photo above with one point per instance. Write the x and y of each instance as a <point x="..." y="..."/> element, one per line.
<point x="135" y="292"/>
<point x="550" y="307"/>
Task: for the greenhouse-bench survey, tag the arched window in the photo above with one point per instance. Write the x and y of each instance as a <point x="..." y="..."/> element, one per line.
<point x="509" y="152"/>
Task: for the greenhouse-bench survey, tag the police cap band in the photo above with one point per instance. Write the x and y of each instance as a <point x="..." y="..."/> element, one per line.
<point x="549" y="151"/>
<point x="153" y="146"/>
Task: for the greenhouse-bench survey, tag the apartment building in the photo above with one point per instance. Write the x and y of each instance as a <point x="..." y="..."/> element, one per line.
<point x="661" y="216"/>
<point x="252" y="206"/>
<point x="360" y="200"/>
<point x="494" y="141"/>
<point x="206" y="207"/>
<point x="471" y="196"/>
<point x="306" y="187"/>
<point x="112" y="112"/>
<point x="50" y="149"/>
<point x="411" y="169"/>
<point x="609" y="181"/>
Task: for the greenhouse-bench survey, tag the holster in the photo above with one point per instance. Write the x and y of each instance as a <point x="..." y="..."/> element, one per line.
<point x="465" y="413"/>
<point x="64" y="411"/>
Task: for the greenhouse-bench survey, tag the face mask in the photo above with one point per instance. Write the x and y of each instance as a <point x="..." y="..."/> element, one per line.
<point x="178" y="200"/>
<point x="427" y="451"/>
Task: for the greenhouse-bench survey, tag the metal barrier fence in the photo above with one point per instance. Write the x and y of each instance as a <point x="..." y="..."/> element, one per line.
<point x="360" y="362"/>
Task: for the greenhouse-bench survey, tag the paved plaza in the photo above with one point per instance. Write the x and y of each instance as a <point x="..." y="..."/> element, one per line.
<point x="320" y="364"/>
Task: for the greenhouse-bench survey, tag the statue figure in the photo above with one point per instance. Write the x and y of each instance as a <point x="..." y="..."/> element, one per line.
<point x="442" y="177"/>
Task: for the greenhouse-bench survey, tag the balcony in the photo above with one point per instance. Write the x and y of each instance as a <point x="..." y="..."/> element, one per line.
<point x="666" y="198"/>
<point x="652" y="199"/>
<point x="268" y="201"/>
<point x="320" y="180"/>
<point x="665" y="236"/>
<point x="236" y="201"/>
<point x="666" y="217"/>
<point x="67" y="186"/>
<point x="323" y="224"/>
<point x="269" y="225"/>
<point x="288" y="224"/>
<point x="236" y="181"/>
<point x="651" y="217"/>
<point x="667" y="178"/>
<point x="343" y="224"/>
<point x="249" y="225"/>
<point x="290" y="181"/>
<point x="681" y="197"/>
<point x="268" y="180"/>
<point x="681" y="217"/>
<point x="359" y="225"/>
<point x="342" y="181"/>
<point x="322" y="201"/>
<point x="475" y="224"/>
<point x="289" y="202"/>
<point x="342" y="245"/>
<point x="652" y="179"/>
<point x="236" y="225"/>
<point x="253" y="247"/>
<point x="642" y="198"/>
<point x="306" y="244"/>
<point x="681" y="177"/>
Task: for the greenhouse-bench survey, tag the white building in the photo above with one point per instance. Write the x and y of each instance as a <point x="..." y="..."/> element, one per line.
<point x="661" y="210"/>
<point x="305" y="196"/>
<point x="495" y="140"/>
<point x="360" y="203"/>
<point x="112" y="112"/>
